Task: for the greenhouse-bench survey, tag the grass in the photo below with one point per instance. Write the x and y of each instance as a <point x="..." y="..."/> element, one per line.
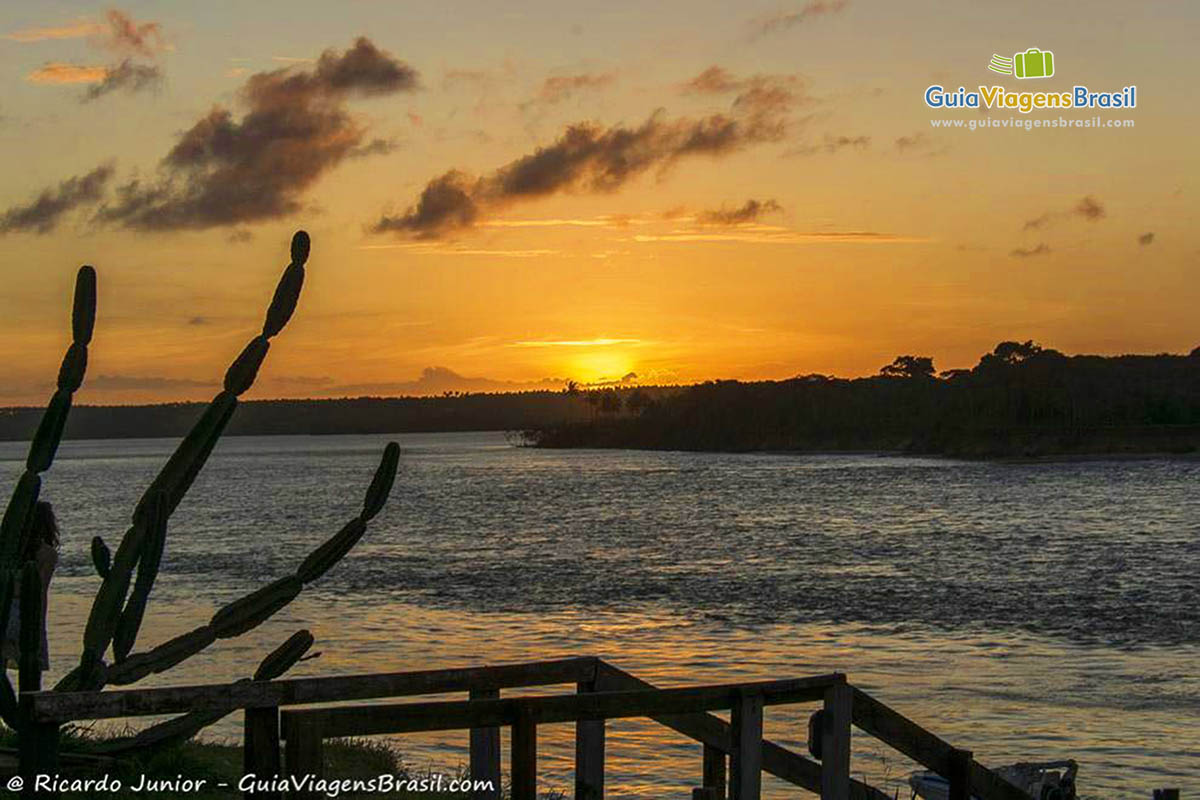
<point x="217" y="763"/>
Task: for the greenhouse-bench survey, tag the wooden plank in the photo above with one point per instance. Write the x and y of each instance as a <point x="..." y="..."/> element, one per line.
<point x="524" y="758"/>
<point x="71" y="706"/>
<point x="745" y="759"/>
<point x="960" y="775"/>
<point x="714" y="731"/>
<point x="928" y="749"/>
<point x="371" y="720"/>
<point x="304" y="757"/>
<point x="835" y="743"/>
<point x="893" y="728"/>
<point x="704" y="793"/>
<point x="485" y="752"/>
<point x="589" y="753"/>
<point x="260" y="749"/>
<point x="714" y="771"/>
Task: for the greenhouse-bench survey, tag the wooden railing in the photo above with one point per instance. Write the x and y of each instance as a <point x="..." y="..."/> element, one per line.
<point x="284" y="741"/>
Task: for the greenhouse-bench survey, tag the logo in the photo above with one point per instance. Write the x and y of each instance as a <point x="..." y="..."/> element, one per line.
<point x="1033" y="63"/>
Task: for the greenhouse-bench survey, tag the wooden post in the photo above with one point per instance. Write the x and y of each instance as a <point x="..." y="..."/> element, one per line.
<point x="304" y="755"/>
<point x="835" y="742"/>
<point x="260" y="755"/>
<point x="705" y="793"/>
<point x="485" y="752"/>
<point x="1166" y="794"/>
<point x="37" y="742"/>
<point x="589" y="753"/>
<point x="714" y="771"/>
<point x="524" y="757"/>
<point x="960" y="775"/>
<point x="745" y="759"/>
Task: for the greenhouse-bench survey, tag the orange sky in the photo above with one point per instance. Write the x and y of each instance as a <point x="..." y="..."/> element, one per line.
<point x="588" y="178"/>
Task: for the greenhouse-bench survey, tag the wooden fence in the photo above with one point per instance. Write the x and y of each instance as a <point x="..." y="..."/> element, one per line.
<point x="281" y="740"/>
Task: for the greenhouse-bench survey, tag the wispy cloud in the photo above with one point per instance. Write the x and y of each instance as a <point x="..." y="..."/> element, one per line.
<point x="1088" y="208"/>
<point x="768" y="234"/>
<point x="1029" y="252"/>
<point x="558" y="88"/>
<point x="750" y="211"/>
<point x="57" y="72"/>
<point x="1145" y="239"/>
<point x="71" y="30"/>
<point x="785" y="20"/>
<point x="43" y="214"/>
<point x="831" y="144"/>
<point x="599" y="342"/>
<point x="126" y="76"/>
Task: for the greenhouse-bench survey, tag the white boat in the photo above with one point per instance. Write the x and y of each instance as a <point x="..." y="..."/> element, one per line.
<point x="1041" y="781"/>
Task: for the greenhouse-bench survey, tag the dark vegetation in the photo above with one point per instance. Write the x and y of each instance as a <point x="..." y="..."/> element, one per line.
<point x="1020" y="400"/>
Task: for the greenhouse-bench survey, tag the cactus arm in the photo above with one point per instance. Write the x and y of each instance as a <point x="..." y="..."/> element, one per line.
<point x="177" y="476"/>
<point x="130" y="620"/>
<point x="255" y="608"/>
<point x="49" y="433"/>
<point x="182" y="728"/>
<point x="101" y="557"/>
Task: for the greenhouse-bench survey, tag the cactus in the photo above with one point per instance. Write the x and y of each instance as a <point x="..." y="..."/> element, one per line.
<point x="180" y="729"/>
<point x="121" y="600"/>
<point x="255" y="608"/>
<point x="112" y="603"/>
<point x="15" y="525"/>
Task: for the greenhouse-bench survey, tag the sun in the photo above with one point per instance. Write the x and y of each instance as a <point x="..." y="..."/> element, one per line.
<point x="606" y="364"/>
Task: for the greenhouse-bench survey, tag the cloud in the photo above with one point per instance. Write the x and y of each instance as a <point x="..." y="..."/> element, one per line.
<point x="1089" y="208"/>
<point x="127" y="36"/>
<point x="72" y="30"/>
<point x="559" y="88"/>
<point x="57" y="72"/>
<point x="714" y="80"/>
<point x="769" y="234"/>
<point x="439" y="380"/>
<point x="1145" y="239"/>
<point x="588" y="157"/>
<point x="1023" y="252"/>
<point x="43" y="214"/>
<point x="574" y="342"/>
<point x="785" y="20"/>
<point x="124" y="383"/>
<point x="750" y="211"/>
<point x="375" y="147"/>
<point x="832" y="144"/>
<point x="227" y="170"/>
<point x="920" y="144"/>
<point x="126" y="76"/>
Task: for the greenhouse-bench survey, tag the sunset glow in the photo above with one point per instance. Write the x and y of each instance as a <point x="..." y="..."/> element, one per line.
<point x="757" y="194"/>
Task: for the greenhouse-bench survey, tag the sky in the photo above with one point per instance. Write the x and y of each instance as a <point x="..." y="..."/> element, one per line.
<point x="510" y="196"/>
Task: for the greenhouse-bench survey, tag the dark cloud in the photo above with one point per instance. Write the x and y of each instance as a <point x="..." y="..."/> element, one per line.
<point x="714" y="80"/>
<point x="832" y="144"/>
<point x="226" y="170"/>
<point x="588" y="157"/>
<point x="43" y="214"/>
<point x="1089" y="208"/>
<point x="750" y="211"/>
<point x="240" y="236"/>
<point x="784" y="20"/>
<point x="375" y="147"/>
<point x="1023" y="252"/>
<point x="558" y="88"/>
<point x="1145" y="239"/>
<point x="126" y="76"/>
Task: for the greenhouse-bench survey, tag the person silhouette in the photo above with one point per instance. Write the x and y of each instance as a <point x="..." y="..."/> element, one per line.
<point x="42" y="549"/>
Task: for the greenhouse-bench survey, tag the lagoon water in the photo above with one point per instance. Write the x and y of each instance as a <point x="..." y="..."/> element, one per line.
<point x="1024" y="611"/>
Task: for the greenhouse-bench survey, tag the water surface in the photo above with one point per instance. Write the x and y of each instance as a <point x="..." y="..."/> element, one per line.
<point x="1024" y="611"/>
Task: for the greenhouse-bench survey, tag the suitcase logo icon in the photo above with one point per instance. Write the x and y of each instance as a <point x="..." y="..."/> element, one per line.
<point x="1033" y="63"/>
